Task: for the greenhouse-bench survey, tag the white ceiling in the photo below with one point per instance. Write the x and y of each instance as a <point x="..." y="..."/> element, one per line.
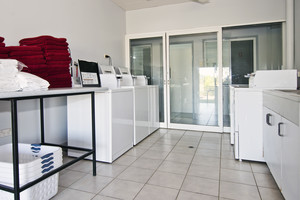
<point x="140" y="4"/>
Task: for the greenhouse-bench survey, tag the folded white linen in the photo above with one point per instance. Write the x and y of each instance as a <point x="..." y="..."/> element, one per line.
<point x="10" y="67"/>
<point x="22" y="81"/>
<point x="30" y="82"/>
<point x="9" y="84"/>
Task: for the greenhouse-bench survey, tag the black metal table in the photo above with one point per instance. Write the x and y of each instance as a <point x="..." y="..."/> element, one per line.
<point x="14" y="97"/>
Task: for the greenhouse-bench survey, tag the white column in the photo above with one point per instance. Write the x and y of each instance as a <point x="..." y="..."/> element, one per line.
<point x="289" y="34"/>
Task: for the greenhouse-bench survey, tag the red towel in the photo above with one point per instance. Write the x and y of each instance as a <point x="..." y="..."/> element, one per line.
<point x="4" y="50"/>
<point x="58" y="65"/>
<point x="56" y="51"/>
<point x="1" y="39"/>
<point x="54" y="47"/>
<point x="42" y="75"/>
<point x="2" y="44"/>
<point x="60" y="76"/>
<point x="25" y="53"/>
<point x="61" y="80"/>
<point x="55" y="62"/>
<point x="58" y="71"/>
<point x="66" y="80"/>
<point x="51" y="42"/>
<point x="37" y="67"/>
<point x="67" y="54"/>
<point x="24" y="48"/>
<point x="32" y="57"/>
<point x="36" y="71"/>
<point x="3" y="55"/>
<point x="31" y="61"/>
<point x="67" y="85"/>
<point x="58" y="58"/>
<point x="41" y="39"/>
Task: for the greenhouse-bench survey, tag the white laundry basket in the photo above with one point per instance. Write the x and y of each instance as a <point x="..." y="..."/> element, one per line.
<point x="34" y="162"/>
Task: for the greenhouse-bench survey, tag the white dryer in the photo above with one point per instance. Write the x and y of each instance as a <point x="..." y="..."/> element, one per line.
<point x="114" y="120"/>
<point x="146" y="104"/>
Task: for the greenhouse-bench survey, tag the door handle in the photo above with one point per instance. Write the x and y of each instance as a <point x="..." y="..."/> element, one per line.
<point x="268" y="119"/>
<point x="279" y="129"/>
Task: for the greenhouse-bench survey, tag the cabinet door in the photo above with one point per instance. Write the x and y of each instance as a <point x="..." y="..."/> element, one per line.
<point x="249" y="119"/>
<point x="141" y="113"/>
<point x="290" y="160"/>
<point x="272" y="144"/>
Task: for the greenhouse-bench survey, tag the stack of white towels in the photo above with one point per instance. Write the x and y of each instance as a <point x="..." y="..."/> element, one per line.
<point x="12" y="79"/>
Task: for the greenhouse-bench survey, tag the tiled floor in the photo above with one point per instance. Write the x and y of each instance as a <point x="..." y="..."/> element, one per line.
<point x="172" y="164"/>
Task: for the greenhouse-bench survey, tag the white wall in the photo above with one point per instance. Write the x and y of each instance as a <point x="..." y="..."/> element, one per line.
<point x="195" y="15"/>
<point x="297" y="34"/>
<point x="92" y="28"/>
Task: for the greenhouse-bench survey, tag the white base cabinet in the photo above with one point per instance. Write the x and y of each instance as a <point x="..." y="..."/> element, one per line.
<point x="141" y="113"/>
<point x="153" y="108"/>
<point x="282" y="144"/>
<point x="113" y="123"/>
<point x="290" y="160"/>
<point x="146" y="111"/>
<point x="248" y="124"/>
<point x="273" y="144"/>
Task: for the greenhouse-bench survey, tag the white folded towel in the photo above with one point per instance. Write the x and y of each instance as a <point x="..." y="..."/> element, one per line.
<point x="10" y="67"/>
<point x="9" y="84"/>
<point x="22" y="82"/>
<point x="30" y="82"/>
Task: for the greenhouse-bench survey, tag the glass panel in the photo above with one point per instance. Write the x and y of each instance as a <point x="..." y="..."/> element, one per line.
<point x="146" y="58"/>
<point x="245" y="50"/>
<point x="194" y="79"/>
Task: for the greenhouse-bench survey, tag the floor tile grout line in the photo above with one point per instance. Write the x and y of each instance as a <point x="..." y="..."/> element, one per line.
<point x="141" y="156"/>
<point x="255" y="182"/>
<point x="114" y="178"/>
<point x="186" y="174"/>
<point x="154" y="141"/>
<point x="221" y="147"/>
<point x="156" y="168"/>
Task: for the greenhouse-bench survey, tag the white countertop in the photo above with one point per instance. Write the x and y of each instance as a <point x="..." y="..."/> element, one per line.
<point x="55" y="91"/>
<point x="284" y="102"/>
<point x="293" y="95"/>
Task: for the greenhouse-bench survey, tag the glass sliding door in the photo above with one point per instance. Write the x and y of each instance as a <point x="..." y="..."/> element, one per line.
<point x="194" y="82"/>
<point x="245" y="50"/>
<point x="147" y="58"/>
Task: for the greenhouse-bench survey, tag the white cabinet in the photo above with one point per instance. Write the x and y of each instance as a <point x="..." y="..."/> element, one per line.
<point x="282" y="144"/>
<point x="290" y="160"/>
<point x="273" y="144"/>
<point x="141" y="113"/>
<point x="153" y="108"/>
<point x="146" y="113"/>
<point x="113" y="123"/>
<point x="248" y="124"/>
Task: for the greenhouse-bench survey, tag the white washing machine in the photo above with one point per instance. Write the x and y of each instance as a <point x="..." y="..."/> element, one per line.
<point x="247" y="111"/>
<point x="146" y="104"/>
<point x="114" y="120"/>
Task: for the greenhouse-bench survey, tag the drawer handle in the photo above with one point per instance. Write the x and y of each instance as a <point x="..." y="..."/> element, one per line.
<point x="279" y="129"/>
<point x="268" y="119"/>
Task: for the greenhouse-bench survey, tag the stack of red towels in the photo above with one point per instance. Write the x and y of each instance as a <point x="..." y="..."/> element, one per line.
<point x="3" y="51"/>
<point x="57" y="58"/>
<point x="32" y="57"/>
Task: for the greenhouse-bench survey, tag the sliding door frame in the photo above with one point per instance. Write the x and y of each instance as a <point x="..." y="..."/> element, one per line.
<point x="218" y="31"/>
<point x="127" y="63"/>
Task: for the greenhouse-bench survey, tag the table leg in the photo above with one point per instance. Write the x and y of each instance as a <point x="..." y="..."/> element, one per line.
<point x="15" y="149"/>
<point x="93" y="132"/>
